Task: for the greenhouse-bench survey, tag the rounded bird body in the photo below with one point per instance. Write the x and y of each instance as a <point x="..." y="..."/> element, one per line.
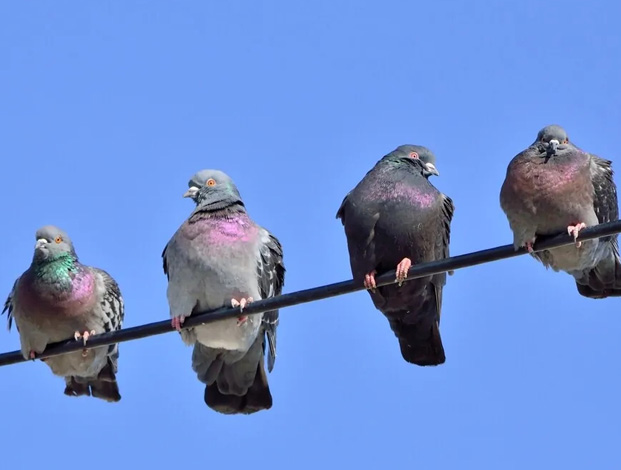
<point x="220" y="258"/>
<point x="540" y="197"/>
<point x="206" y="248"/>
<point x="58" y="299"/>
<point x="395" y="218"/>
<point x="554" y="187"/>
<point x="406" y="217"/>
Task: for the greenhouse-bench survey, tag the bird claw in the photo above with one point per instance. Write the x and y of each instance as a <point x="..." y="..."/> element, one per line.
<point x="369" y="281"/>
<point x="84" y="336"/>
<point x="177" y="322"/>
<point x="402" y="270"/>
<point x="242" y="320"/>
<point x="529" y="246"/>
<point x="241" y="303"/>
<point x="32" y="355"/>
<point x="575" y="231"/>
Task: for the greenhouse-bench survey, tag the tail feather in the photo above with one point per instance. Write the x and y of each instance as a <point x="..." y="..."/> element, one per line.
<point x="234" y="383"/>
<point x="602" y="281"/>
<point x="256" y="398"/>
<point x="104" y="386"/>
<point x="419" y="340"/>
<point x="418" y="330"/>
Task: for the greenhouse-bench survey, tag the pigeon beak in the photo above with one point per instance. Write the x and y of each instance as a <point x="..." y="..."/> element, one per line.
<point x="431" y="168"/>
<point x="41" y="242"/>
<point x="552" y="148"/>
<point x="191" y="192"/>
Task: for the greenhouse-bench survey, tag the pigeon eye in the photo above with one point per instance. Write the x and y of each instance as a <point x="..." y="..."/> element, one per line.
<point x="58" y="239"/>
<point x="211" y="182"/>
<point x="413" y="155"/>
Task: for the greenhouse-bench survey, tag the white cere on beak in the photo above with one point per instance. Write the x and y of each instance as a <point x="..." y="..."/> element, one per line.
<point x="191" y="192"/>
<point x="431" y="168"/>
<point x="554" y="142"/>
<point x="41" y="242"/>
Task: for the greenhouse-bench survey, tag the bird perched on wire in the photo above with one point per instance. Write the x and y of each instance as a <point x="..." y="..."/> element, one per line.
<point x="553" y="187"/>
<point x="58" y="298"/>
<point x="395" y="218"/>
<point x="220" y="258"/>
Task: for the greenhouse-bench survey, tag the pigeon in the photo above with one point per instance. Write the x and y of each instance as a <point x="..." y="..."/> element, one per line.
<point x="553" y="187"/>
<point x="220" y="258"/>
<point x="58" y="298"/>
<point x="395" y="218"/>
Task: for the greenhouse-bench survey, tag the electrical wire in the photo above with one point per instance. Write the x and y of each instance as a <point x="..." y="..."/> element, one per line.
<point x="314" y="294"/>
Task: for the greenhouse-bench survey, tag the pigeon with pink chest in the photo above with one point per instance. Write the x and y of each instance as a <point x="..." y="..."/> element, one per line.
<point x="395" y="218"/>
<point x="220" y="258"/>
<point x="57" y="299"/>
<point x="554" y="187"/>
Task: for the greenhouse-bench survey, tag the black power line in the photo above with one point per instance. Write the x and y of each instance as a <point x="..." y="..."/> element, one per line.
<point x="316" y="293"/>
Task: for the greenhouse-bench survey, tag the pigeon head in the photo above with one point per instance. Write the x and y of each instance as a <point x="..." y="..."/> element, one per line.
<point x="52" y="244"/>
<point x="417" y="152"/>
<point x="213" y="189"/>
<point x="553" y="135"/>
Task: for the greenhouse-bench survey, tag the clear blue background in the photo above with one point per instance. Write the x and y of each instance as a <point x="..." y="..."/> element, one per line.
<point x="109" y="107"/>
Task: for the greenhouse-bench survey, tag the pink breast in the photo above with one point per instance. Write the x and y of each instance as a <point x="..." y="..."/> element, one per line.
<point x="50" y="301"/>
<point x="413" y="194"/>
<point x="228" y="230"/>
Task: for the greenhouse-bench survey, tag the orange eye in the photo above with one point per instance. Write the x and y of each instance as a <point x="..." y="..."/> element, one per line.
<point x="211" y="182"/>
<point x="566" y="140"/>
<point x="413" y="155"/>
<point x="58" y="239"/>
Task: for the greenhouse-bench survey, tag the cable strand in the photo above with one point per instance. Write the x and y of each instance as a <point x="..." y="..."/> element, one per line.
<point x="314" y="294"/>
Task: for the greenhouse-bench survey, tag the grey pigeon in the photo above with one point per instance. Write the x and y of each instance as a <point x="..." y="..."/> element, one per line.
<point x="553" y="187"/>
<point x="220" y="258"/>
<point x="57" y="299"/>
<point x="395" y="218"/>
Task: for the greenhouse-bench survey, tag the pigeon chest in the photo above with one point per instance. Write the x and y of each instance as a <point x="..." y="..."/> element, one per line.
<point x="417" y="196"/>
<point x="401" y="193"/>
<point x="553" y="187"/>
<point x="55" y="300"/>
<point x="225" y="251"/>
<point x="230" y="237"/>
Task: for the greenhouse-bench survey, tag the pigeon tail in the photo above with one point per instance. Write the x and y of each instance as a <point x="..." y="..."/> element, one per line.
<point x="257" y="397"/>
<point x="418" y="332"/>
<point x="235" y="382"/>
<point x="604" y="280"/>
<point x="104" y="386"/>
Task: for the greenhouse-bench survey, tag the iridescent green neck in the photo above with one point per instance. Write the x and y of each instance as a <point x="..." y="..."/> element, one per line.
<point x="57" y="270"/>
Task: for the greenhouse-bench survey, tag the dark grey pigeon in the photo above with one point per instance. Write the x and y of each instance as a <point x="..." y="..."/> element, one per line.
<point x="553" y="187"/>
<point x="59" y="298"/>
<point x="395" y="218"/>
<point x="220" y="258"/>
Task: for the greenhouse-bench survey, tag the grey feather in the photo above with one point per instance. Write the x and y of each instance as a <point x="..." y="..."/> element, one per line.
<point x="395" y="213"/>
<point x="55" y="298"/>
<point x="217" y="255"/>
<point x="553" y="185"/>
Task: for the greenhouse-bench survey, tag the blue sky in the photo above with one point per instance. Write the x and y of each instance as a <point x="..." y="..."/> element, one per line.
<point x="109" y="107"/>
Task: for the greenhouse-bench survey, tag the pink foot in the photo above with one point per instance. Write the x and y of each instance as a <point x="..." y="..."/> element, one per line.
<point x="529" y="245"/>
<point x="402" y="270"/>
<point x="32" y="355"/>
<point x="575" y="230"/>
<point x="84" y="336"/>
<point x="241" y="303"/>
<point x="369" y="280"/>
<point x="177" y="322"/>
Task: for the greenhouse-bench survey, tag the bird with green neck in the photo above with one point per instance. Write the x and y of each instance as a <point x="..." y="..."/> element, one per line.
<point x="58" y="298"/>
